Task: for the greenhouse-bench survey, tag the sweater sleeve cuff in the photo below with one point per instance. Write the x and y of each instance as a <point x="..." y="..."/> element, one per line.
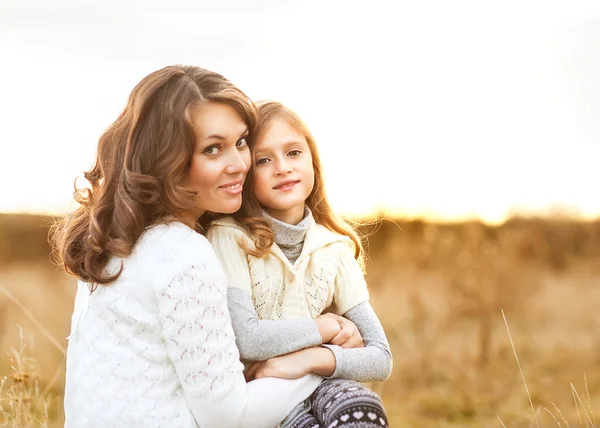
<point x="339" y="361"/>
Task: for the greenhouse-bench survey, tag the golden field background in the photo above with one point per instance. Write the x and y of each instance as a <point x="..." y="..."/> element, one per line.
<point x="438" y="289"/>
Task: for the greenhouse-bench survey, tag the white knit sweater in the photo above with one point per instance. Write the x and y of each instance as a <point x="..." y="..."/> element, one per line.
<point x="156" y="347"/>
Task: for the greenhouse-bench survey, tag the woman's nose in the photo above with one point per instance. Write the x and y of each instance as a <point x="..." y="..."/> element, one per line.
<point x="237" y="164"/>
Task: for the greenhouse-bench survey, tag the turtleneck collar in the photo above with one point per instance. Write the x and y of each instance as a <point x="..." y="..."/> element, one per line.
<point x="289" y="237"/>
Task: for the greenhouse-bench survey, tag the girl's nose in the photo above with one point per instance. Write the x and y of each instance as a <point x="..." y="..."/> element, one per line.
<point x="282" y="167"/>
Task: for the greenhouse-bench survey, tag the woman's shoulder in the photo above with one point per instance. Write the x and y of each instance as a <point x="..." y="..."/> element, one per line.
<point x="172" y="240"/>
<point x="165" y="251"/>
<point x="173" y="231"/>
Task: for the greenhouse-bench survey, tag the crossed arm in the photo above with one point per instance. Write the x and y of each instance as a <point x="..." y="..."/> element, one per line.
<point x="285" y="345"/>
<point x="290" y="348"/>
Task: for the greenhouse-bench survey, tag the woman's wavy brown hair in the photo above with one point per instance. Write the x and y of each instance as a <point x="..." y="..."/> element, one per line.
<point x="142" y="161"/>
<point x="250" y="213"/>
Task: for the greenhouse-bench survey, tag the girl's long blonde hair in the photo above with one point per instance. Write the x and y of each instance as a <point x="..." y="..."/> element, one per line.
<point x="250" y="213"/>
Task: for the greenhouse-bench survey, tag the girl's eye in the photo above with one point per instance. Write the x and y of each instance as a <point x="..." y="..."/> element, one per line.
<point x="262" y="161"/>
<point x="241" y="142"/>
<point x="294" y="152"/>
<point x="211" y="150"/>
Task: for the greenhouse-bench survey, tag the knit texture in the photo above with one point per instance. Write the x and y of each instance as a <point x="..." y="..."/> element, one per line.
<point x="325" y="275"/>
<point x="156" y="348"/>
<point x="290" y="237"/>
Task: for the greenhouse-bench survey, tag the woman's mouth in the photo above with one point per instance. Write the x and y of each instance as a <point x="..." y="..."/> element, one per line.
<point x="234" y="188"/>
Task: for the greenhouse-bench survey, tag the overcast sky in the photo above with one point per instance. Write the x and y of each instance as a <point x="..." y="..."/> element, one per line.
<point x="445" y="109"/>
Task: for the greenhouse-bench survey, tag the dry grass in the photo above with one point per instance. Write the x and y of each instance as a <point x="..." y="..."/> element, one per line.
<point x="440" y="291"/>
<point x="22" y="403"/>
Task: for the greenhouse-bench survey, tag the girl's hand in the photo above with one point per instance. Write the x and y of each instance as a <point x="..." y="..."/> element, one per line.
<point x="328" y="326"/>
<point x="295" y="365"/>
<point x="348" y="336"/>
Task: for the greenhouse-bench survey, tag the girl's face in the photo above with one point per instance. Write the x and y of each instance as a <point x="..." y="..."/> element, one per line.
<point x="283" y="172"/>
<point x="220" y="161"/>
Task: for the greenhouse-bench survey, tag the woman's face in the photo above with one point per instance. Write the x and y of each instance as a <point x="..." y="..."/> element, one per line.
<point x="220" y="161"/>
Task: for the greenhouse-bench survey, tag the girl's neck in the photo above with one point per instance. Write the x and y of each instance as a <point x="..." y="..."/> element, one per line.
<point x="292" y="216"/>
<point x="290" y="238"/>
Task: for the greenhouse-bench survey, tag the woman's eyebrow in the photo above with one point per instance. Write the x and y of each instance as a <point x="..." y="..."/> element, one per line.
<point x="214" y="136"/>
<point x="221" y="137"/>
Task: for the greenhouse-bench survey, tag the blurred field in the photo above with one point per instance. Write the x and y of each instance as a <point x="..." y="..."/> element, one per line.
<point x="439" y="290"/>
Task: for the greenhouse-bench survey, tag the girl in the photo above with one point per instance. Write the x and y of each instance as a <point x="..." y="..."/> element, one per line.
<point x="288" y="257"/>
<point x="151" y="341"/>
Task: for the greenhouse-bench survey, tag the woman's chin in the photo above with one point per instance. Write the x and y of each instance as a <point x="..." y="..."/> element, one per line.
<point x="229" y="208"/>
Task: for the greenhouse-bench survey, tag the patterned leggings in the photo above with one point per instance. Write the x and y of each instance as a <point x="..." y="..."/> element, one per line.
<point x="339" y="403"/>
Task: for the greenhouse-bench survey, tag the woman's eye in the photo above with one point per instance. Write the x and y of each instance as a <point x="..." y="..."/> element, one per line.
<point x="212" y="150"/>
<point x="241" y="142"/>
<point x="262" y="161"/>
<point x="294" y="152"/>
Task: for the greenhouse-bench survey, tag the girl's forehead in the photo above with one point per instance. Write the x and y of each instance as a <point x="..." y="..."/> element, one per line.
<point x="279" y="133"/>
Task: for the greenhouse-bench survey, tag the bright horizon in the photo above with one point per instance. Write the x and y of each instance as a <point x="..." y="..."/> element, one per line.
<point x="434" y="110"/>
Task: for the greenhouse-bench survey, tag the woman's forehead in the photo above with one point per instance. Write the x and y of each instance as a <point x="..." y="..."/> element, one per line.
<point x="217" y="119"/>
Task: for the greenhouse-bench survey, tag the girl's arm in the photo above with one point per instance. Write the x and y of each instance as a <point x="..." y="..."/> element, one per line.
<point x="373" y="363"/>
<point x="259" y="340"/>
<point x="197" y="331"/>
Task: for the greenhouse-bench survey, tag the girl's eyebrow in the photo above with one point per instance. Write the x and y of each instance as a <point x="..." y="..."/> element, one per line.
<point x="270" y="148"/>
<point x="284" y="145"/>
<point x="292" y="142"/>
<point x="261" y="151"/>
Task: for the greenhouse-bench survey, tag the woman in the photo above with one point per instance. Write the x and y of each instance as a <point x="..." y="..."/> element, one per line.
<point x="151" y="341"/>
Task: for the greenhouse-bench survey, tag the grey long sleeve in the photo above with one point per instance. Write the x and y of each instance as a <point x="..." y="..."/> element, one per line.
<point x="373" y="363"/>
<point x="259" y="340"/>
